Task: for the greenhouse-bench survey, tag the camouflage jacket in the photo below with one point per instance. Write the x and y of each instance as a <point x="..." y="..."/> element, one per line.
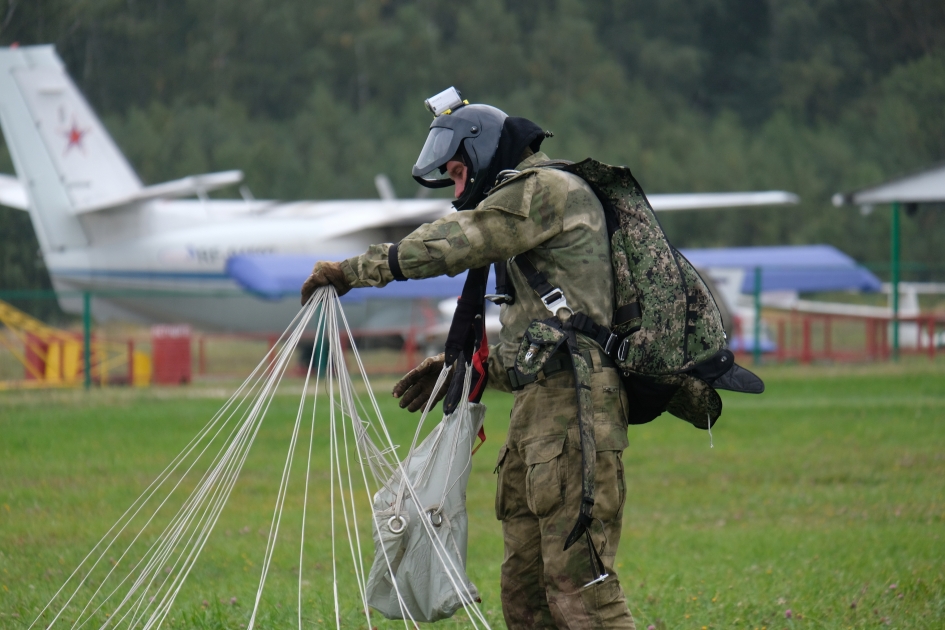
<point x="551" y="214"/>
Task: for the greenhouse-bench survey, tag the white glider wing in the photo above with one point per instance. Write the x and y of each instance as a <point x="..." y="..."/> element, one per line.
<point x="708" y="201"/>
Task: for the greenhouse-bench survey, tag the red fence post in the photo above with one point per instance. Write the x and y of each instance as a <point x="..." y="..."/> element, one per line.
<point x="884" y="339"/>
<point x="828" y="341"/>
<point x="131" y="362"/>
<point x="931" y="323"/>
<point x="805" y="348"/>
<point x="410" y="348"/>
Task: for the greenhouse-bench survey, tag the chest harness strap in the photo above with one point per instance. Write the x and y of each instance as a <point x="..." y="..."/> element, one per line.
<point x="614" y="345"/>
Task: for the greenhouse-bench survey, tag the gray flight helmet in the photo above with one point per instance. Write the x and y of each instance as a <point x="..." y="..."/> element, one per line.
<point x="470" y="131"/>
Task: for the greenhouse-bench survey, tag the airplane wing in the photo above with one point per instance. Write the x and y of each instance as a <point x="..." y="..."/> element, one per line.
<point x="708" y="201"/>
<point x="12" y="193"/>
<point x="185" y="187"/>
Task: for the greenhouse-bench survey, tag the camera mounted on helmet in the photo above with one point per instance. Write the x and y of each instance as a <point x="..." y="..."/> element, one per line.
<point x="461" y="131"/>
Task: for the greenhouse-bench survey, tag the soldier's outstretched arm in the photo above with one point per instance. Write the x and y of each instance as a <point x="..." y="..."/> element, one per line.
<point x="516" y="218"/>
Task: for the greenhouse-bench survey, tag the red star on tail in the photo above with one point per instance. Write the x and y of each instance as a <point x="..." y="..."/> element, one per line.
<point x="74" y="135"/>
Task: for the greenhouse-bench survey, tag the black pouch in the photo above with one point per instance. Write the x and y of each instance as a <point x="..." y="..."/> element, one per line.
<point x="648" y="398"/>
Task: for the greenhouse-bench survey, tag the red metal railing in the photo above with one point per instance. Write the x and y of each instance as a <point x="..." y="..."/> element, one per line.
<point x="809" y="337"/>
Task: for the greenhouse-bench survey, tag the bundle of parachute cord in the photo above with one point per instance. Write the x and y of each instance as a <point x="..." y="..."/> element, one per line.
<point x="133" y="575"/>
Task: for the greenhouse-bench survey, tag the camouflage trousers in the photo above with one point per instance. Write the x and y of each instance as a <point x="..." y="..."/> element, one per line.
<point x="538" y="497"/>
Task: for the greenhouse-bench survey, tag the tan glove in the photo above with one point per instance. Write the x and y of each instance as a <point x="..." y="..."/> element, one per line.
<point x="323" y="274"/>
<point x="415" y="387"/>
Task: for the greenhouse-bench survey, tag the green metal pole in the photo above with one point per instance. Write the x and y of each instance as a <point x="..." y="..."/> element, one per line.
<point x="87" y="338"/>
<point x="895" y="280"/>
<point x="756" y="350"/>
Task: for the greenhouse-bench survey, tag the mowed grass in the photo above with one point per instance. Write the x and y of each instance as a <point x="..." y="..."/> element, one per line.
<point x="824" y="497"/>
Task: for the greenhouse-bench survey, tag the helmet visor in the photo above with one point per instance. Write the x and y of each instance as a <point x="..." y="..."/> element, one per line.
<point x="437" y="150"/>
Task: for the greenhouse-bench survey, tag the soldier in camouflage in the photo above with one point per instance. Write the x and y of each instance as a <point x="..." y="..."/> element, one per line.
<point x="556" y="219"/>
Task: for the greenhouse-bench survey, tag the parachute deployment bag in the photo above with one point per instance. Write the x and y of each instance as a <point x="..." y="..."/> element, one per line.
<point x="423" y="573"/>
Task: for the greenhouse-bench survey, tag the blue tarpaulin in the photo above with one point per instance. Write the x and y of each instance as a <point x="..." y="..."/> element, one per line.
<point x="801" y="268"/>
<point x="275" y="276"/>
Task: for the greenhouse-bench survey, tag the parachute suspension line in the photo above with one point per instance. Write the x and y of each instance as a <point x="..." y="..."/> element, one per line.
<point x="227" y="472"/>
<point x="158" y="558"/>
<point x="336" y="365"/>
<point x="374" y="457"/>
<point x="708" y="421"/>
<point x="138" y="505"/>
<point x="144" y="596"/>
<point x="286" y="471"/>
<point x="317" y="347"/>
<point x="354" y="544"/>
<point x="156" y="561"/>
<point x="453" y="572"/>
<point x="275" y="376"/>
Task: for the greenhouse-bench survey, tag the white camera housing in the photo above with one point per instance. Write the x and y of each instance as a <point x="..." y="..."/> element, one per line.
<point x="444" y="102"/>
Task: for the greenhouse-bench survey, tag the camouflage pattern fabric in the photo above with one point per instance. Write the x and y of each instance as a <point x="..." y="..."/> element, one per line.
<point x="553" y="215"/>
<point x="680" y="325"/>
<point x="539" y="493"/>
<point x="695" y="401"/>
<point x="556" y="217"/>
<point x="542" y="340"/>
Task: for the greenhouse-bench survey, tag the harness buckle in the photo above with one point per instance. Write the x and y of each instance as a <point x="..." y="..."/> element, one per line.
<point x="622" y="350"/>
<point x="554" y="301"/>
<point x="611" y="340"/>
<point x="498" y="298"/>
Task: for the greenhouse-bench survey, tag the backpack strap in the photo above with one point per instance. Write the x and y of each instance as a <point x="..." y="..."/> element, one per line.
<point x="551" y="296"/>
<point x="554" y="299"/>
<point x="504" y="290"/>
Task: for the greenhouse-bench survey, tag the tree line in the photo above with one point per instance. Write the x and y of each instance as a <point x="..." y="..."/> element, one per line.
<point x="312" y="99"/>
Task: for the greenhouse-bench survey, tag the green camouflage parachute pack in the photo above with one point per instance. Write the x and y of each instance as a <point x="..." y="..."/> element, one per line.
<point x="666" y="336"/>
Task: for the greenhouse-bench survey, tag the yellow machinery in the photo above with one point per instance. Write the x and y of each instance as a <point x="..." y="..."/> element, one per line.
<point x="55" y="358"/>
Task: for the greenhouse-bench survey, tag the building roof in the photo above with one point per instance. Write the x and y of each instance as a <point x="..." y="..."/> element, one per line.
<point x="927" y="186"/>
<point x="801" y="268"/>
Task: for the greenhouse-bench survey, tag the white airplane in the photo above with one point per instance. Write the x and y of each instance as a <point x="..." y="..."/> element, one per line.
<point x="147" y="254"/>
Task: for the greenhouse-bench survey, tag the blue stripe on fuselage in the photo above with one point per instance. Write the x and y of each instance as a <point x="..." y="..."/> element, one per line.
<point x="141" y="275"/>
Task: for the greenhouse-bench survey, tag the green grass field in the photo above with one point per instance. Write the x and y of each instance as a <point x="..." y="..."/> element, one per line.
<point x="824" y="497"/>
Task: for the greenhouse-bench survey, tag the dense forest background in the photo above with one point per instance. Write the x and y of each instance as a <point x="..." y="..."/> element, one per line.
<point x="313" y="98"/>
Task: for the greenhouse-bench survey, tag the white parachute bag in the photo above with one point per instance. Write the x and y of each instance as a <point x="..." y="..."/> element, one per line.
<point x="420" y="524"/>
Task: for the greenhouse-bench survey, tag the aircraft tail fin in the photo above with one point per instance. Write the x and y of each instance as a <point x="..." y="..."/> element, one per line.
<point x="63" y="155"/>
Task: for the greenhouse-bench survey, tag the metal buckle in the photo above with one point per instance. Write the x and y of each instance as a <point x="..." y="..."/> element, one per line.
<point x="554" y="301"/>
<point x="498" y="298"/>
<point x="622" y="350"/>
<point x="610" y="343"/>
